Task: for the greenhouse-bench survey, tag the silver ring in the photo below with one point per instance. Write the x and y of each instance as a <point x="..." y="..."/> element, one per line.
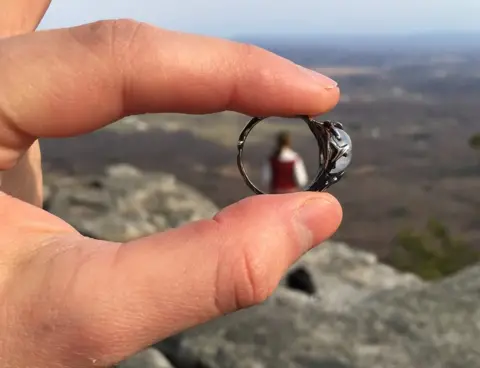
<point x="335" y="152"/>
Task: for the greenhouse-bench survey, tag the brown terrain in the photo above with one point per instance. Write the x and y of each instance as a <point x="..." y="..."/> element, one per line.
<point x="409" y="113"/>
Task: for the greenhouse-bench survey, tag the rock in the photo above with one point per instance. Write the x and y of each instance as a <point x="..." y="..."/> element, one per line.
<point x="149" y="358"/>
<point x="389" y="320"/>
<point x="300" y="279"/>
<point x="338" y="308"/>
<point x="124" y="203"/>
<point x="344" y="276"/>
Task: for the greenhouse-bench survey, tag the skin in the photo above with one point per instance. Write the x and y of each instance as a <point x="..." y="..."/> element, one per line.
<point x="71" y="301"/>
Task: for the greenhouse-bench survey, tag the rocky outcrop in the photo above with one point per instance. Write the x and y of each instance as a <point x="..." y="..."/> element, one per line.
<point x="125" y="203"/>
<point x="343" y="277"/>
<point x="338" y="307"/>
<point x="363" y="315"/>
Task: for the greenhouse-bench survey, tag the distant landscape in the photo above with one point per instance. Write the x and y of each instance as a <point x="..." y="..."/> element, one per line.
<point x="410" y="105"/>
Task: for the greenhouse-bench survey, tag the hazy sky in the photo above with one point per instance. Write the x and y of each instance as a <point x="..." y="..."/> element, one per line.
<point x="233" y="17"/>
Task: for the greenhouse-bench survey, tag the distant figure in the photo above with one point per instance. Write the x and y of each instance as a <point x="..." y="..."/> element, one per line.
<point x="284" y="172"/>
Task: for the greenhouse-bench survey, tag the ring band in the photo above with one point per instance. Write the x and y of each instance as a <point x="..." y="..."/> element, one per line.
<point x="328" y="134"/>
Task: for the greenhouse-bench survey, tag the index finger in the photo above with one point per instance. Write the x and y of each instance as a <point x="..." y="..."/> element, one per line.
<point x="72" y="81"/>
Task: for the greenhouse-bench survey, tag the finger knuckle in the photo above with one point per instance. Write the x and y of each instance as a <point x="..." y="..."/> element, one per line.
<point x="255" y="68"/>
<point x="251" y="285"/>
<point x="104" y="28"/>
<point x="247" y="50"/>
<point x="251" y="55"/>
<point x="242" y="277"/>
<point x="123" y="32"/>
<point x="113" y="36"/>
<point x="239" y="209"/>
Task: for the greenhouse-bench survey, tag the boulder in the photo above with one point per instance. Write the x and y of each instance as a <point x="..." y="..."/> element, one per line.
<point x="125" y="203"/>
<point x="338" y="307"/>
<point x="343" y="276"/>
<point x="364" y="315"/>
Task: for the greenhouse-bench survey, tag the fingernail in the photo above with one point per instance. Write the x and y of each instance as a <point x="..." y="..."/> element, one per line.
<point x="316" y="213"/>
<point x="325" y="81"/>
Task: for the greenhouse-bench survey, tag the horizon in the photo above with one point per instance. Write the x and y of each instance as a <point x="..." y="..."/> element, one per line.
<point x="232" y="19"/>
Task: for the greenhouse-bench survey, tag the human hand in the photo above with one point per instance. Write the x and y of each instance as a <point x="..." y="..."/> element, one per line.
<point x="24" y="179"/>
<point x="71" y="301"/>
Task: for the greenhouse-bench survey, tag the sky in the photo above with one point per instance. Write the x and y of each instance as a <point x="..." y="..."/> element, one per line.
<point x="231" y="18"/>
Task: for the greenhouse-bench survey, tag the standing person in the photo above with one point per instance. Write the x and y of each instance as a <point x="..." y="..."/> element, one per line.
<point x="284" y="172"/>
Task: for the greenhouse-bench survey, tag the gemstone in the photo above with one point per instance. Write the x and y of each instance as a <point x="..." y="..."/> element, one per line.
<point x="343" y="141"/>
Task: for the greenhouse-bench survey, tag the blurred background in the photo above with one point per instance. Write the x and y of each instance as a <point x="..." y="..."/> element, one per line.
<point x="398" y="285"/>
<point x="409" y="73"/>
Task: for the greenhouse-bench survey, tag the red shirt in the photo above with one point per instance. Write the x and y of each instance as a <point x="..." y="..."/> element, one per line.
<point x="283" y="180"/>
<point x="284" y="173"/>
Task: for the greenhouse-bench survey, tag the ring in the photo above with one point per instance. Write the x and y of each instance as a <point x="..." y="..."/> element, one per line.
<point x="335" y="152"/>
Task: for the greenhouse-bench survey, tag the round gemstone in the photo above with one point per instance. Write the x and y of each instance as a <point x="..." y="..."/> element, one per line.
<point x="343" y="141"/>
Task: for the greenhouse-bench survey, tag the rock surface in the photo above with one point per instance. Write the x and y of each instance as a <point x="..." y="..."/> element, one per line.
<point x="365" y="315"/>
<point x="149" y="358"/>
<point x="359" y="313"/>
<point x="125" y="203"/>
<point x="344" y="277"/>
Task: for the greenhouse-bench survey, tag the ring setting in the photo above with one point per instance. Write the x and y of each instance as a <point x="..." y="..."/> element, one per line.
<point x="335" y="152"/>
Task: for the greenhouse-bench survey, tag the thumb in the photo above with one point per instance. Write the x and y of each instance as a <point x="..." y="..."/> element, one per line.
<point x="159" y="285"/>
<point x="21" y="16"/>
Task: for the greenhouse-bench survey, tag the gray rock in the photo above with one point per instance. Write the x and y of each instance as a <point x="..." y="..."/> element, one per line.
<point x="149" y="358"/>
<point x="344" y="276"/>
<point x="391" y="320"/>
<point x="360" y="313"/>
<point x="125" y="203"/>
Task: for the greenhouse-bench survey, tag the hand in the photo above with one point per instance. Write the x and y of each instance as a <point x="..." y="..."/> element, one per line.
<point x="70" y="301"/>
<point x="23" y="180"/>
